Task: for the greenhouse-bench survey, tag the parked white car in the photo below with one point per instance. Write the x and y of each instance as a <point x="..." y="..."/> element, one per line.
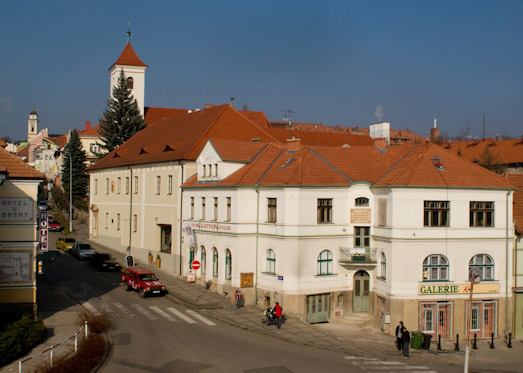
<point x="82" y="250"/>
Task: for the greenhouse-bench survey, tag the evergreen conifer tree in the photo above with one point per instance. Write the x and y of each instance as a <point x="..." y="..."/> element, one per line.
<point x="121" y="119"/>
<point x="75" y="154"/>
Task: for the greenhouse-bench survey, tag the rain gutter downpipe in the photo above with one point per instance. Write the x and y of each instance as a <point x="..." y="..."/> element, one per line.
<point x="130" y="208"/>
<point x="257" y="234"/>
<point x="507" y="266"/>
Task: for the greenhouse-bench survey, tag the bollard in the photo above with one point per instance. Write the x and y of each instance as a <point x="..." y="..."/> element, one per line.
<point x="439" y="342"/>
<point x="457" y="343"/>
<point x="86" y="330"/>
<point x="19" y="366"/>
<point x="76" y="342"/>
<point x="509" y="345"/>
<point x="474" y="346"/>
<point x="51" y="357"/>
<point x="492" y="341"/>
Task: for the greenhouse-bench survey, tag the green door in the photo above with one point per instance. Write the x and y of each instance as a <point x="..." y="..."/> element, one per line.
<point x="318" y="308"/>
<point x="361" y="292"/>
<point x="518" y="330"/>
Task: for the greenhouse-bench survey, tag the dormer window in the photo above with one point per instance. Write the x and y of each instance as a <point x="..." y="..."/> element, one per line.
<point x="361" y="201"/>
<point x="216" y="170"/>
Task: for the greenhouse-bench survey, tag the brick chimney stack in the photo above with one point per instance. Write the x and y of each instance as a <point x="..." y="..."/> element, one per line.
<point x="293" y="144"/>
<point x="87" y="126"/>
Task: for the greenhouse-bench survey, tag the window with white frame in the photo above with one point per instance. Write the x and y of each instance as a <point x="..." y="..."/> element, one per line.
<point x="324" y="210"/>
<point x="127" y="185"/>
<point x="271" y="262"/>
<point x="215" y="208"/>
<point x="228" y="264"/>
<point x="215" y="262"/>
<point x="136" y="185"/>
<point x="119" y="185"/>
<point x="325" y="263"/>
<point x="216" y="170"/>
<point x="484" y="264"/>
<point x="95" y="186"/>
<point x="94" y="148"/>
<point x="436" y="213"/>
<point x="361" y="236"/>
<point x="170" y="184"/>
<point x="135" y="223"/>
<point x="481" y="214"/>
<point x="158" y="184"/>
<point x="361" y="201"/>
<point x="436" y="268"/>
<point x="106" y="185"/>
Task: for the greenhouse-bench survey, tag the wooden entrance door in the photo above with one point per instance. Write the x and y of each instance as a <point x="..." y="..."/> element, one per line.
<point x="361" y="302"/>
<point x="318" y="308"/>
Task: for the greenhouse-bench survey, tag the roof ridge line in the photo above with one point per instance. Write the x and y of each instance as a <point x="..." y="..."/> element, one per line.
<point x="330" y="165"/>
<point x="207" y="131"/>
<point x="397" y="162"/>
<point x="270" y="166"/>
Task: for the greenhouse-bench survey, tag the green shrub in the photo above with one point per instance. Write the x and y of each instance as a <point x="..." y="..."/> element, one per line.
<point x="20" y="337"/>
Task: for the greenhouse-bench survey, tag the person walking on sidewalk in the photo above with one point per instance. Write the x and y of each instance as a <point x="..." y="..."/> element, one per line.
<point x="399" y="342"/>
<point x="277" y="313"/>
<point x="405" y="338"/>
<point x="239" y="298"/>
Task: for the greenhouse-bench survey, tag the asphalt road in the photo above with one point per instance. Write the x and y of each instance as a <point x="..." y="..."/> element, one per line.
<point x="156" y="335"/>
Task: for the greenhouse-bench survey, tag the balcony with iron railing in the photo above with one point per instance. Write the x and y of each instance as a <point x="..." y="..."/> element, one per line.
<point x="358" y="256"/>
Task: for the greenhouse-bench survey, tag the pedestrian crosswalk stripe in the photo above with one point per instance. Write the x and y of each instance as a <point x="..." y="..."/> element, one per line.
<point x="200" y="317"/>
<point x="91" y="309"/>
<point x="145" y="312"/>
<point x="124" y="309"/>
<point x="373" y="365"/>
<point x="181" y="315"/>
<point x="108" y="310"/>
<point x="162" y="313"/>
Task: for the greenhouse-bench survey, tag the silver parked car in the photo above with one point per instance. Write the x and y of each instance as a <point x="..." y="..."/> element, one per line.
<point x="82" y="250"/>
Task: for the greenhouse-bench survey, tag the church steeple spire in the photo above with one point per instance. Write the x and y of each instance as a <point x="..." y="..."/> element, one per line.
<point x="129" y="32"/>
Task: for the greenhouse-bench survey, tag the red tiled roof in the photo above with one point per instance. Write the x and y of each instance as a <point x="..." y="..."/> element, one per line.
<point x="183" y="137"/>
<point x="23" y="152"/>
<point x="257" y="117"/>
<point x="517" y="208"/>
<point x="129" y="58"/>
<point x="328" y="166"/>
<point x="152" y="114"/>
<point x="239" y="151"/>
<point x="322" y="138"/>
<point x="92" y="131"/>
<point x="16" y="168"/>
<point x="508" y="151"/>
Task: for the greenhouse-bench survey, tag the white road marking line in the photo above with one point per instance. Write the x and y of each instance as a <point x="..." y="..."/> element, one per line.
<point x="378" y="363"/>
<point x="90" y="307"/>
<point x="124" y="309"/>
<point x="109" y="310"/>
<point x="181" y="315"/>
<point x="200" y="317"/>
<point x="360" y="358"/>
<point x="395" y="368"/>
<point x="162" y="313"/>
<point x="145" y="312"/>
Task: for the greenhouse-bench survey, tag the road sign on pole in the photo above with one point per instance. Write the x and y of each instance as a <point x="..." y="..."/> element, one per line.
<point x="195" y="265"/>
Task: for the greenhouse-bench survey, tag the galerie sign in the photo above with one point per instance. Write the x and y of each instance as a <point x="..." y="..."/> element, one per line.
<point x="16" y="209"/>
<point x="482" y="288"/>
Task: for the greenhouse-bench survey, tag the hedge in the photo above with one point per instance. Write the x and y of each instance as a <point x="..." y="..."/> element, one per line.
<point x="19" y="337"/>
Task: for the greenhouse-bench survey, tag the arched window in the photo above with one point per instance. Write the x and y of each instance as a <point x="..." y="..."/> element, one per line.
<point x="485" y="264"/>
<point x="130" y="83"/>
<point x="325" y="263"/>
<point x="435" y="268"/>
<point x="271" y="262"/>
<point x="191" y="255"/>
<point x="215" y="262"/>
<point x="203" y="259"/>
<point x="361" y="201"/>
<point x="383" y="266"/>
<point x="228" y="264"/>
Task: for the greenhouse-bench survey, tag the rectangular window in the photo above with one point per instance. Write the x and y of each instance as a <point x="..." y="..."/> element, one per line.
<point x="229" y="207"/>
<point x="170" y="184"/>
<point x="117" y="222"/>
<point x="382" y="213"/>
<point x="119" y="185"/>
<point x="192" y="207"/>
<point x="95" y="186"/>
<point x="136" y="185"/>
<point x="158" y="184"/>
<point x="361" y="236"/>
<point x="127" y="185"/>
<point x="324" y="210"/>
<point x="271" y="210"/>
<point x="215" y="208"/>
<point x="204" y="170"/>
<point x="481" y="214"/>
<point x="135" y="223"/>
<point x="203" y="209"/>
<point x="106" y="220"/>
<point x="216" y="170"/>
<point x="436" y="213"/>
<point x="107" y="186"/>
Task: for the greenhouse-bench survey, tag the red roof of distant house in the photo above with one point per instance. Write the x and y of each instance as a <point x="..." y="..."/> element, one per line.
<point x="129" y="58"/>
<point x="16" y="168"/>
<point x="517" y="208"/>
<point x="508" y="151"/>
<point x="322" y="138"/>
<point x="152" y="114"/>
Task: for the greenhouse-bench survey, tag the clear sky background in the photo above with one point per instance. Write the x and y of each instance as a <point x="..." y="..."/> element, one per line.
<point x="347" y="63"/>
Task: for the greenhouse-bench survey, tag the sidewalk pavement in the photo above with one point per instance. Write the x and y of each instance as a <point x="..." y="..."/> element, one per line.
<point x="360" y="338"/>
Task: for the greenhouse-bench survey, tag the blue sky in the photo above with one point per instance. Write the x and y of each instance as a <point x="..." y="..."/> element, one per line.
<point x="347" y="63"/>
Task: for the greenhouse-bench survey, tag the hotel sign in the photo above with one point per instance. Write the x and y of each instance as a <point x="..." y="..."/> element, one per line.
<point x="16" y="209"/>
<point x="482" y="288"/>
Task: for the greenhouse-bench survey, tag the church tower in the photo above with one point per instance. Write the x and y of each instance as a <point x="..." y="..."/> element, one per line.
<point x="134" y="71"/>
<point x="32" y="125"/>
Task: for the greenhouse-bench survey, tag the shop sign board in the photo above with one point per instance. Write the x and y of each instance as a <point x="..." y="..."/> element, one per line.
<point x="43" y="227"/>
<point x="16" y="209"/>
<point x="482" y="288"/>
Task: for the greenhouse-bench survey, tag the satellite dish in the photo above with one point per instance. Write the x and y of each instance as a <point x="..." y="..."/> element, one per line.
<point x="475" y="274"/>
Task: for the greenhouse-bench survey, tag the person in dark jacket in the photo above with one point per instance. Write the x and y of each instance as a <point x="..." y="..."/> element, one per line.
<point x="405" y="338"/>
<point x="277" y="314"/>
<point x="399" y="342"/>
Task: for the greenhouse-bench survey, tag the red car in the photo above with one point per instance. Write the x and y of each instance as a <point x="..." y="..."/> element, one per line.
<point x="142" y="280"/>
<point x="54" y="226"/>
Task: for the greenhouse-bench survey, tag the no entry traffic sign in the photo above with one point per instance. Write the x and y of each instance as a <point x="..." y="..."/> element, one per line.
<point x="195" y="265"/>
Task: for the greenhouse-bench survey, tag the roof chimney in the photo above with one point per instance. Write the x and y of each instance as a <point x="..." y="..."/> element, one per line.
<point x="293" y="144"/>
<point x="232" y="101"/>
<point x="87" y="126"/>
